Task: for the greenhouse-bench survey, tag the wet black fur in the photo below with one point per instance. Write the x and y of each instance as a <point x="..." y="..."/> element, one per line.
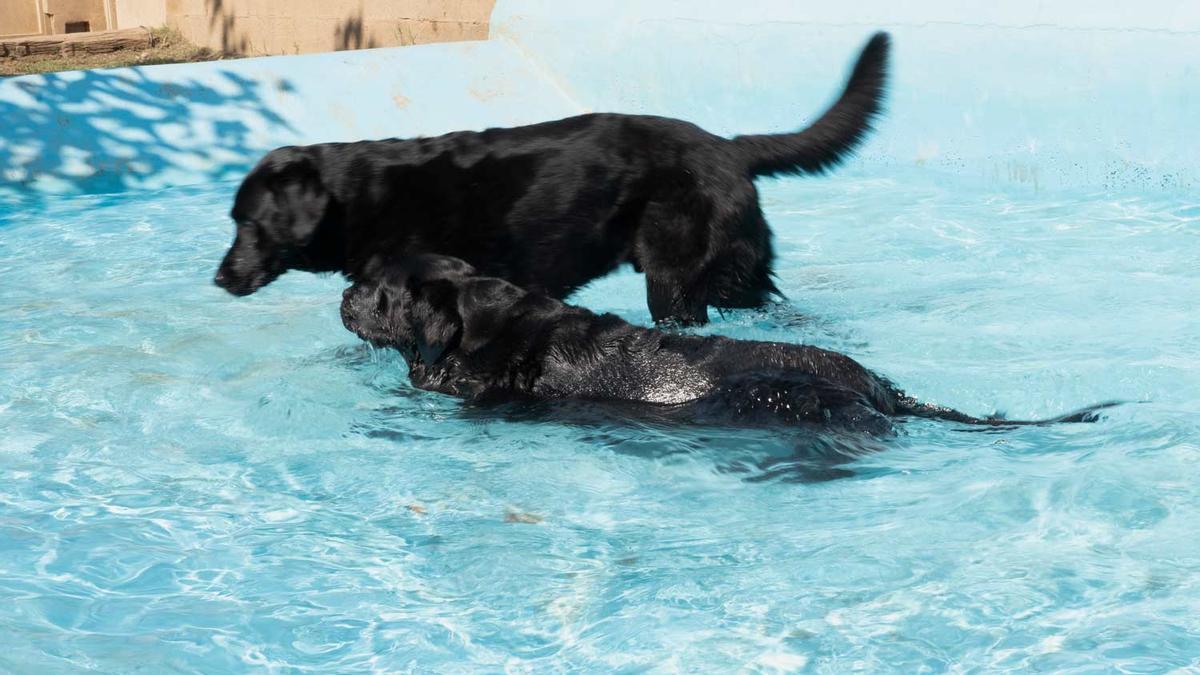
<point x="549" y="206"/>
<point x="488" y="341"/>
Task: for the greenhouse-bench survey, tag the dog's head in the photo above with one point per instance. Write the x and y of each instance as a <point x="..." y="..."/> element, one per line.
<point x="412" y="305"/>
<point x="284" y="221"/>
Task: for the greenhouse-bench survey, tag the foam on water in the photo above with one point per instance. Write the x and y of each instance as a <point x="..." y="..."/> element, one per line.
<point x="199" y="483"/>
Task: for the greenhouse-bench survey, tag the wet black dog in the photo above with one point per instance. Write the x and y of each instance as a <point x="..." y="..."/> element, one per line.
<point x="549" y="206"/>
<point x="489" y="341"/>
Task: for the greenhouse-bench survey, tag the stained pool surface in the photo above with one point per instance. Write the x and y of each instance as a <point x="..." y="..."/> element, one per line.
<point x="198" y="483"/>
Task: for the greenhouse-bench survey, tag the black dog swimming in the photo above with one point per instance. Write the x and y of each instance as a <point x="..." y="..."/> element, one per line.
<point x="548" y="206"/>
<point x="488" y="341"/>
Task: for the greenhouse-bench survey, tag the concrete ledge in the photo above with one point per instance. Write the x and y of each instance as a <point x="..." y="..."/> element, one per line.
<point x="261" y="27"/>
<point x="99" y="42"/>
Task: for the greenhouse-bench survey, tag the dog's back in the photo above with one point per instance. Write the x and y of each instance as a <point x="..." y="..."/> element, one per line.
<point x="520" y="344"/>
<point x="485" y="339"/>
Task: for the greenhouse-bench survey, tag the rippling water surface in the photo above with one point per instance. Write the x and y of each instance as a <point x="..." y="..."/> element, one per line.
<point x="198" y="483"/>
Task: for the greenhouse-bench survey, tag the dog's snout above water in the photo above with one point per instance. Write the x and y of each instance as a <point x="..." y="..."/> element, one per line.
<point x="351" y="310"/>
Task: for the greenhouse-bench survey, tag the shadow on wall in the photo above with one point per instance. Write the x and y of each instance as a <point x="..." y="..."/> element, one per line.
<point x="220" y="20"/>
<point x="110" y="131"/>
<point x="349" y="34"/>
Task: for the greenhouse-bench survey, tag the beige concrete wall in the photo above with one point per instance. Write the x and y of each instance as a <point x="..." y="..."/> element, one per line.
<point x="133" y="13"/>
<point x="19" y="17"/>
<point x="62" y="12"/>
<point x="301" y="26"/>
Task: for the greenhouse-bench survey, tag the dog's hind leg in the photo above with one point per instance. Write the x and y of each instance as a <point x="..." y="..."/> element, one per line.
<point x="697" y="250"/>
<point x="791" y="399"/>
<point x="741" y="267"/>
<point x="672" y="249"/>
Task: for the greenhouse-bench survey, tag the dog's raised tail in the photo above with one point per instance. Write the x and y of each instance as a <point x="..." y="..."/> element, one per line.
<point x="910" y="406"/>
<point x="838" y="132"/>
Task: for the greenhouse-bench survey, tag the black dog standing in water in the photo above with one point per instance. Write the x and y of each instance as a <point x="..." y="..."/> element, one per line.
<point x="489" y="341"/>
<point x="549" y="206"/>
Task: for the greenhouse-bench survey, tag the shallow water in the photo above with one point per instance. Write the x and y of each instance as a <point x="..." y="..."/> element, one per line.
<point x="199" y="483"/>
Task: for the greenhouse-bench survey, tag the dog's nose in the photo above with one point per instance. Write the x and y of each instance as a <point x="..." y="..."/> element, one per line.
<point x="354" y="295"/>
<point x="220" y="279"/>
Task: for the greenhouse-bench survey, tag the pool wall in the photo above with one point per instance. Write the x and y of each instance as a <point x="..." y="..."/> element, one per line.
<point x="1097" y="96"/>
<point x="1100" y="95"/>
<point x="160" y="126"/>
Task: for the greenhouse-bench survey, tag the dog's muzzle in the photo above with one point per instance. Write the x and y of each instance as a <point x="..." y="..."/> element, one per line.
<point x="356" y="306"/>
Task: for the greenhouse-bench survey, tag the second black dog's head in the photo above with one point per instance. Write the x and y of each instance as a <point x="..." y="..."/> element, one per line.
<point x="411" y="305"/>
<point x="286" y="219"/>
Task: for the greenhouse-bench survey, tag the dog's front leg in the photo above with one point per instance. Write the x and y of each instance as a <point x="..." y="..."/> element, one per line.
<point x="674" y="300"/>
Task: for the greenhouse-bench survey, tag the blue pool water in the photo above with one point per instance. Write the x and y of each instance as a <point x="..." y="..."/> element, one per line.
<point x="198" y="483"/>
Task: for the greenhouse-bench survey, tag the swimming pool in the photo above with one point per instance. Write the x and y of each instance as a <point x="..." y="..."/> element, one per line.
<point x="199" y="483"/>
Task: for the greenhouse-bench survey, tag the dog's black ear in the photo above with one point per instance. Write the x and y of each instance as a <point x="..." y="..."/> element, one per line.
<point x="436" y="322"/>
<point x="298" y="192"/>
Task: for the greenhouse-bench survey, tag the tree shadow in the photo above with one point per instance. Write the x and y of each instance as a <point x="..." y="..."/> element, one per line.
<point x="220" y="19"/>
<point x="111" y="131"/>
<point x="349" y="34"/>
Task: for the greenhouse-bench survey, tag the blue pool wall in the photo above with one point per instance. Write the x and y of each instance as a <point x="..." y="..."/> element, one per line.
<point x="1101" y="95"/>
<point x="160" y="126"/>
<point x="1026" y="95"/>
